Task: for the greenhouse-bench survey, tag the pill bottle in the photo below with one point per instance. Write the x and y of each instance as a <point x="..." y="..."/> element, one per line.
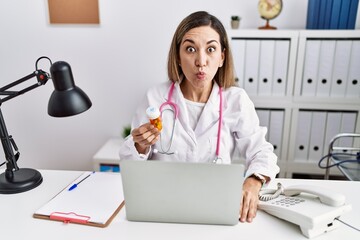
<point x="154" y="116"/>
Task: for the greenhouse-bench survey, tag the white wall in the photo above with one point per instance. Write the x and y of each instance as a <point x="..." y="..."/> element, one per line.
<point x="114" y="63"/>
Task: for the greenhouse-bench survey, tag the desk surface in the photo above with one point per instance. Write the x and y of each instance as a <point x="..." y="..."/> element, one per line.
<point x="16" y="219"/>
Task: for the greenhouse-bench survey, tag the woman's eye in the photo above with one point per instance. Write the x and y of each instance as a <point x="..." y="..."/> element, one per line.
<point x="211" y="49"/>
<point x="190" y="49"/>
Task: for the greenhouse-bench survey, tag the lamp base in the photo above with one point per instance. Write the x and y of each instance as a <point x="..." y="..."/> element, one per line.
<point x="23" y="180"/>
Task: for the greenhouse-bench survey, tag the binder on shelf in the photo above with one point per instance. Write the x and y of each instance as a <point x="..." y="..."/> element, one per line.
<point x="281" y="61"/>
<point x="317" y="135"/>
<point x="276" y="130"/>
<point x="94" y="202"/>
<point x="352" y="14"/>
<point x="310" y="73"/>
<point x="312" y="14"/>
<point x="348" y="122"/>
<point x="353" y="80"/>
<point x="238" y="48"/>
<point x="322" y="13"/>
<point x="340" y="69"/>
<point x="266" y="66"/>
<point x="264" y="119"/>
<point x="328" y="9"/>
<point x="326" y="60"/>
<point x="333" y="122"/>
<point x="335" y="14"/>
<point x="344" y="14"/>
<point x="303" y="135"/>
<point x="252" y="52"/>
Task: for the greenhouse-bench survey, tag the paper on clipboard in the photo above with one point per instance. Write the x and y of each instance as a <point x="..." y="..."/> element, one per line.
<point x="94" y="202"/>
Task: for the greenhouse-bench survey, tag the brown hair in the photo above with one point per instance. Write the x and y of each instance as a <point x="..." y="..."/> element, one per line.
<point x="225" y="75"/>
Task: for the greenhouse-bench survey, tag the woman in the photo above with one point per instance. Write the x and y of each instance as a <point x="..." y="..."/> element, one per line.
<point x="200" y="70"/>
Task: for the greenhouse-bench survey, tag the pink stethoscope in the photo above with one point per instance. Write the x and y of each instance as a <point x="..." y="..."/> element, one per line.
<point x="174" y="108"/>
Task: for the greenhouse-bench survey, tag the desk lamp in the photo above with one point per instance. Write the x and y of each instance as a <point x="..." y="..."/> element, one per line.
<point x="66" y="100"/>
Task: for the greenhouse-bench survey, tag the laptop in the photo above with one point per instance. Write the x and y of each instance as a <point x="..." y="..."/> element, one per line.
<point x="177" y="192"/>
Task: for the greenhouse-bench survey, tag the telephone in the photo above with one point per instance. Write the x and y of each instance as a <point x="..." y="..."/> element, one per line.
<point x="313" y="208"/>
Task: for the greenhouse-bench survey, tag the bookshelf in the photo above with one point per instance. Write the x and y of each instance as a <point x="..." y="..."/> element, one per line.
<point x="320" y="84"/>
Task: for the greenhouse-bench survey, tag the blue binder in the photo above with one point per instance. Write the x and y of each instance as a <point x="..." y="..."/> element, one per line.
<point x="344" y="14"/>
<point x="313" y="14"/>
<point x="352" y="14"/>
<point x="335" y="14"/>
<point x="327" y="18"/>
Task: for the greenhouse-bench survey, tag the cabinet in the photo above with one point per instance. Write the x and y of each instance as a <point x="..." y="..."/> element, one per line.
<point x="306" y="89"/>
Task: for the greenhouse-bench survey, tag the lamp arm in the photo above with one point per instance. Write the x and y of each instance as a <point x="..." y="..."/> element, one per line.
<point x="41" y="76"/>
<point x="7" y="141"/>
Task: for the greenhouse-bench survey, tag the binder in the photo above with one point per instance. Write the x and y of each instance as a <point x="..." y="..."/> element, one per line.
<point x="344" y="14"/>
<point x="312" y="53"/>
<point x="326" y="60"/>
<point x="340" y="69"/>
<point x="333" y="122"/>
<point x="238" y="48"/>
<point x="281" y="61"/>
<point x="252" y="51"/>
<point x="303" y="135"/>
<point x="264" y="118"/>
<point x="312" y="14"/>
<point x="353" y="81"/>
<point x="276" y="130"/>
<point x="317" y="135"/>
<point x="94" y="202"/>
<point x="267" y="49"/>
<point x="352" y="14"/>
<point x="335" y="14"/>
<point x="348" y="122"/>
<point x="322" y="13"/>
<point x="328" y="9"/>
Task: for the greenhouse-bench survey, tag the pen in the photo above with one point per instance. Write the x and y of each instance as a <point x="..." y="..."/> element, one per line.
<point x="76" y="184"/>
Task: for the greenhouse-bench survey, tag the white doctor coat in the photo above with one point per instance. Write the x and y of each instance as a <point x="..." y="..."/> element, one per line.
<point x="240" y="130"/>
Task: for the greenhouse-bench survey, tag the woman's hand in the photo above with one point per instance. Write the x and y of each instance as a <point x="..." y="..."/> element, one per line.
<point x="145" y="136"/>
<point x="250" y="199"/>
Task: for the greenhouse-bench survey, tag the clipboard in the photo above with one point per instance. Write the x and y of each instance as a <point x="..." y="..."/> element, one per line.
<point x="94" y="202"/>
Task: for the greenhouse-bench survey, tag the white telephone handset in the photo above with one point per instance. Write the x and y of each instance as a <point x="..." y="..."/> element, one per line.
<point x="313" y="208"/>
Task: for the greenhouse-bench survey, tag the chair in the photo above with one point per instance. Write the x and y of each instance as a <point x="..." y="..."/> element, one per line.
<point x="342" y="147"/>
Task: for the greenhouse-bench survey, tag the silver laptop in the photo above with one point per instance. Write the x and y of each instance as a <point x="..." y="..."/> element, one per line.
<point x="174" y="192"/>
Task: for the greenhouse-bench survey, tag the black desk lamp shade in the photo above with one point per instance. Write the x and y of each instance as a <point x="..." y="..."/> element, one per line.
<point x="66" y="100"/>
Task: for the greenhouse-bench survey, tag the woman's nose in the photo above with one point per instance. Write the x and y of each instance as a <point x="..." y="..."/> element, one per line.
<point x="201" y="60"/>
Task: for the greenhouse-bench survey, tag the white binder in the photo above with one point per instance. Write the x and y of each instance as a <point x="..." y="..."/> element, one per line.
<point x="276" y="130"/>
<point x="348" y="122"/>
<point x="303" y="136"/>
<point x="353" y="81"/>
<point x="310" y="68"/>
<point x="340" y="69"/>
<point x="281" y="61"/>
<point x="252" y="51"/>
<point x="317" y="135"/>
<point x="333" y="122"/>
<point x="326" y="60"/>
<point x="238" y="48"/>
<point x="264" y="118"/>
<point x="267" y="48"/>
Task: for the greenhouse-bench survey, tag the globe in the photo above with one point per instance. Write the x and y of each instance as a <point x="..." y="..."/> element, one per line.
<point x="269" y="9"/>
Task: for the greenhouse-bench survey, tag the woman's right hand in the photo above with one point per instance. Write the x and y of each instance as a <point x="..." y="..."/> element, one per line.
<point x="145" y="136"/>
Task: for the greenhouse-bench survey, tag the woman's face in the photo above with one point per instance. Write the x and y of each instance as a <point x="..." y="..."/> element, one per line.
<point x="200" y="56"/>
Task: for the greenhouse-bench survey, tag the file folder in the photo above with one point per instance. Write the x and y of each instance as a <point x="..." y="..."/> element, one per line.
<point x="267" y="49"/>
<point x="326" y="60"/>
<point x="309" y="80"/>
<point x="252" y="51"/>
<point x="340" y="69"/>
<point x="344" y="14"/>
<point x="348" y="122"/>
<point x="238" y="48"/>
<point x="281" y="61"/>
<point x="264" y="118"/>
<point x="303" y="135"/>
<point x="353" y="81"/>
<point x="94" y="202"/>
<point x="276" y="130"/>
<point x="333" y="122"/>
<point x="317" y="135"/>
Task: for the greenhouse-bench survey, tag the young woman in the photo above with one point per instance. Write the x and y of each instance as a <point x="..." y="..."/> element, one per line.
<point x="206" y="118"/>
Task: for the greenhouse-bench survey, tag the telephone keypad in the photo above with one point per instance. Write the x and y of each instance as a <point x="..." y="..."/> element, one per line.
<point x="288" y="201"/>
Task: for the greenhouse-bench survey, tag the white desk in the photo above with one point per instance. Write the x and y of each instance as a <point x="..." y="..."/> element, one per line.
<point x="16" y="221"/>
